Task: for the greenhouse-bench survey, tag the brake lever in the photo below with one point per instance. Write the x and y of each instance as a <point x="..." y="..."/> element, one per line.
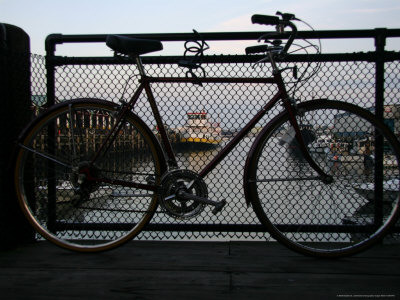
<point x="286" y="16"/>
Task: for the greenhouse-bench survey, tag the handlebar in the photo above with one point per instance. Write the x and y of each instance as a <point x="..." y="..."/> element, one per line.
<point x="257" y="49"/>
<point x="265" y="20"/>
<point x="280" y="23"/>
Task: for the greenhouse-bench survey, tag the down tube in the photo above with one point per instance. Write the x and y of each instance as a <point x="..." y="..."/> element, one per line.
<point x="240" y="135"/>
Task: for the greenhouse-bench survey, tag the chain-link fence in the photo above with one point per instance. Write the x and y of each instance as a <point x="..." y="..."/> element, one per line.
<point x="226" y="108"/>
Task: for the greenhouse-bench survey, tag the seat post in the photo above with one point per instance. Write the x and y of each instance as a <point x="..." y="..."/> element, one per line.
<point x="140" y="65"/>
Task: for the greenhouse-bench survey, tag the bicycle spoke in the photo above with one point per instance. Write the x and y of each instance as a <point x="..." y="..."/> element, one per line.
<point x="72" y="129"/>
<point x="46" y="156"/>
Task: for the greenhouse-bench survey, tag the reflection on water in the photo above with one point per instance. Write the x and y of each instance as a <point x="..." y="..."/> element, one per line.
<point x="196" y="160"/>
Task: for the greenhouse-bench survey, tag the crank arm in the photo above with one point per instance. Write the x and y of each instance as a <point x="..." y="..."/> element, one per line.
<point x="218" y="205"/>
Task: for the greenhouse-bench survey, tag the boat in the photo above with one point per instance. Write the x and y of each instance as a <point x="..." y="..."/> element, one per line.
<point x="363" y="146"/>
<point x="68" y="204"/>
<point x="364" y="216"/>
<point x="289" y="138"/>
<point x="66" y="192"/>
<point x="391" y="190"/>
<point x="390" y="161"/>
<point x="321" y="145"/>
<point x="199" y="131"/>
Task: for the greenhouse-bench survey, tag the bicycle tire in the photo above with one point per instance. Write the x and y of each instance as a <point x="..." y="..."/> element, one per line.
<point x="321" y="219"/>
<point x="65" y="209"/>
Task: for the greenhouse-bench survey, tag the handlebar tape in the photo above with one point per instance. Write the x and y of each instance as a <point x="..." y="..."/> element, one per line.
<point x="265" y="20"/>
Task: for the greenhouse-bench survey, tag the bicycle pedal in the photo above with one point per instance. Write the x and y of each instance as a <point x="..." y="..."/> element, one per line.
<point x="218" y="206"/>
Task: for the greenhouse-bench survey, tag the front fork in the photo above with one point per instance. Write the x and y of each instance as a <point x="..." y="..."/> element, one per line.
<point x="291" y="108"/>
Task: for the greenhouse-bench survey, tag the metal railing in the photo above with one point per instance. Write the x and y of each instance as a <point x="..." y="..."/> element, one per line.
<point x="370" y="80"/>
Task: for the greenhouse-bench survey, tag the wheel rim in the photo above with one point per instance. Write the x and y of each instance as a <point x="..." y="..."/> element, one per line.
<point x="85" y="217"/>
<point x="307" y="215"/>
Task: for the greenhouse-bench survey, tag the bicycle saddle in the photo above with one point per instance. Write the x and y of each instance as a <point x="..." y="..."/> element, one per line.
<point x="132" y="46"/>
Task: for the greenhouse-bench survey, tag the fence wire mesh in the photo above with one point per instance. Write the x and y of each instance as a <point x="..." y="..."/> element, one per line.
<point x="226" y="108"/>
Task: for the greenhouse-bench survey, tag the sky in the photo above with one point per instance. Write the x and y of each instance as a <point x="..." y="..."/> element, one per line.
<point x="40" y="18"/>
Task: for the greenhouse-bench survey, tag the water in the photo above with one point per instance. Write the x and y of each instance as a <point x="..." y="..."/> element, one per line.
<point x="288" y="202"/>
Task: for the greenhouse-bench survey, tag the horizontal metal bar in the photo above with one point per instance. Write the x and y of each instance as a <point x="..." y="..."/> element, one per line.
<point x="258" y="228"/>
<point x="286" y="179"/>
<point x="221" y="36"/>
<point x="54" y="39"/>
<point x="369" y="56"/>
<point x="217" y="227"/>
<point x="212" y="80"/>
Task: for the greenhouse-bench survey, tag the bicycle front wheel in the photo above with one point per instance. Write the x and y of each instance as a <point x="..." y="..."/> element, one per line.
<point x="61" y="203"/>
<point x="334" y="219"/>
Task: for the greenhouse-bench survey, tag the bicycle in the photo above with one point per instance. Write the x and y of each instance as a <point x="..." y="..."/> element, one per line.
<point x="64" y="173"/>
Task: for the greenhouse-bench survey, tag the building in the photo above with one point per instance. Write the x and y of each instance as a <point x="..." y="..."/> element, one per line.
<point x="346" y="127"/>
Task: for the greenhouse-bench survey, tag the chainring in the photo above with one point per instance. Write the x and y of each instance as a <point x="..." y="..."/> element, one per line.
<point x="184" y="180"/>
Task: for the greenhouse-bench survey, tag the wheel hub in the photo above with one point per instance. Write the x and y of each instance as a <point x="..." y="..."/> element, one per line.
<point x="82" y="180"/>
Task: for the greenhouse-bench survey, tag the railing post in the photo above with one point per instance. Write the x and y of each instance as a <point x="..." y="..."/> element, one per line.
<point x="50" y="45"/>
<point x="380" y="42"/>
<point x="15" y="94"/>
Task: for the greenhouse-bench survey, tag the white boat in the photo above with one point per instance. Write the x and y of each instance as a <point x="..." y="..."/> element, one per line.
<point x="65" y="192"/>
<point x="364" y="216"/>
<point x="200" y="131"/>
<point x="321" y="145"/>
<point x="390" y="190"/>
<point x="68" y="205"/>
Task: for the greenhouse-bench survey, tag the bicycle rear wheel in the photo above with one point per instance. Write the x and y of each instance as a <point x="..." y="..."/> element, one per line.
<point x="326" y="219"/>
<point x="65" y="207"/>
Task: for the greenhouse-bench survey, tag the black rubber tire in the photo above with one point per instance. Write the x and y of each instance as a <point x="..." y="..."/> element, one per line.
<point x="61" y="205"/>
<point x="312" y="217"/>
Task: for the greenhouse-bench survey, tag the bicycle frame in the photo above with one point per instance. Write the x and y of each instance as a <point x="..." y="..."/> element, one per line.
<point x="145" y="84"/>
